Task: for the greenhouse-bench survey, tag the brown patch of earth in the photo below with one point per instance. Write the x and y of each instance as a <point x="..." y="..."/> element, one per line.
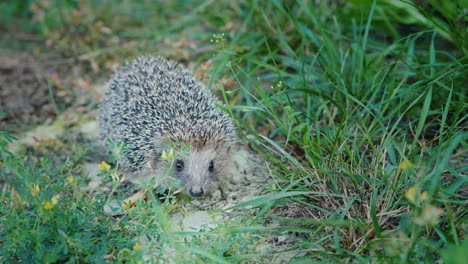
<point x="24" y="93"/>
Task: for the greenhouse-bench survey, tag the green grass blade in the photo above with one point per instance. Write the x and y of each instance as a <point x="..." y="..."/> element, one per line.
<point x="424" y="112"/>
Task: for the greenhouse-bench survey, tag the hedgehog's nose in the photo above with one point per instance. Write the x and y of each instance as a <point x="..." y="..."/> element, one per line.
<point x="196" y="192"/>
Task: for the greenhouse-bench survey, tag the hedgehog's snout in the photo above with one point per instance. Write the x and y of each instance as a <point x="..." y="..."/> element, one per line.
<point x="196" y="191"/>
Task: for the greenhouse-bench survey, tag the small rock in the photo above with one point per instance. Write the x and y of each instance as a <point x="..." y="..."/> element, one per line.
<point x="88" y="128"/>
<point x="113" y="209"/>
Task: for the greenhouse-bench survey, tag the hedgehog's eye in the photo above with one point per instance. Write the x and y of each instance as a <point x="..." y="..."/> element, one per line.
<point x="179" y="165"/>
<point x="211" y="167"/>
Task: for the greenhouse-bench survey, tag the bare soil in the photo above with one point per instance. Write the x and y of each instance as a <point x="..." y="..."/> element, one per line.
<point x="24" y="93"/>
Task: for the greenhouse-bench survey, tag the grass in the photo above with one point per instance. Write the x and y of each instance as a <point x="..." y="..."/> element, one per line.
<point x="360" y="112"/>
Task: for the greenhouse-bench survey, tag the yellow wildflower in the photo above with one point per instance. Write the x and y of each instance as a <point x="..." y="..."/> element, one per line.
<point x="70" y="179"/>
<point x="104" y="166"/>
<point x="424" y="196"/>
<point x="411" y="194"/>
<point x="35" y="190"/>
<point x="405" y="165"/>
<point x="54" y="200"/>
<point x="167" y="156"/>
<point x="48" y="206"/>
<point x="429" y="215"/>
<point x="136" y="247"/>
<point x="414" y="196"/>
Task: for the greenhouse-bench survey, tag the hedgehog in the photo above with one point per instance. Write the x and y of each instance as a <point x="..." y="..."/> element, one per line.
<point x="152" y="102"/>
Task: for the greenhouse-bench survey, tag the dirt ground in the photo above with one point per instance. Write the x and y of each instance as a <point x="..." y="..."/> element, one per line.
<point x="24" y="94"/>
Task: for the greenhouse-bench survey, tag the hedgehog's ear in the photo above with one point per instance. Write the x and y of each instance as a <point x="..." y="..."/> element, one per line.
<point x="229" y="148"/>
